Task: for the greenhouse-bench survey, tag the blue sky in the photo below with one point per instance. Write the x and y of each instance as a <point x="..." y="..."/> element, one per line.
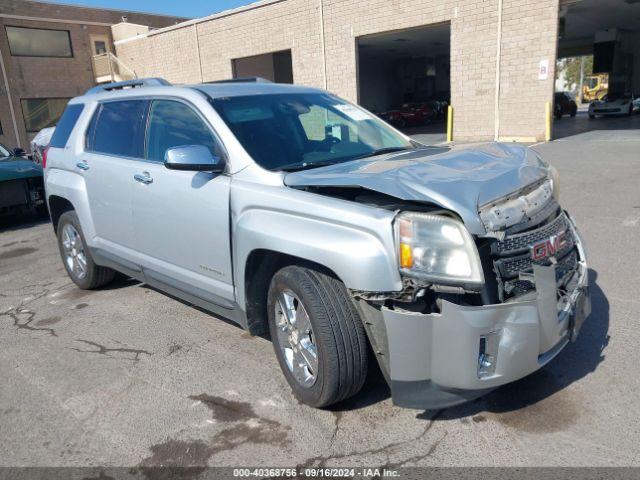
<point x="182" y="8"/>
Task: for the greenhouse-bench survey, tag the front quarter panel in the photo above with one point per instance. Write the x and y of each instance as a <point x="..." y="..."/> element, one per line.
<point x="354" y="241"/>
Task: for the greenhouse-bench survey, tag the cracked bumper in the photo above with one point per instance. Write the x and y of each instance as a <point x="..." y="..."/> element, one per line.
<point x="433" y="359"/>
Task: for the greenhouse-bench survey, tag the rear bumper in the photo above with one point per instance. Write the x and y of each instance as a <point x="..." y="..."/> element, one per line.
<point x="434" y="359"/>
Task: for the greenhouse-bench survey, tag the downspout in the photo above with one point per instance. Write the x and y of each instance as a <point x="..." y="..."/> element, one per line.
<point x="195" y="29"/>
<point x="324" y="53"/>
<point x="6" y="87"/>
<point x="496" y="108"/>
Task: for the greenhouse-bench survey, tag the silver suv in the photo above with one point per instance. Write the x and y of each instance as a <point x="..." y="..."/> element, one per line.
<point x="285" y="208"/>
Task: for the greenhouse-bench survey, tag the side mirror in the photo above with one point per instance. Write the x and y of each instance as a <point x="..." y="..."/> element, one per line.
<point x="195" y="158"/>
<point x="19" y="152"/>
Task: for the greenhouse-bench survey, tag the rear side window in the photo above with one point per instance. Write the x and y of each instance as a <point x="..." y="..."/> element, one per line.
<point x="117" y="128"/>
<point x="65" y="125"/>
<point x="174" y="124"/>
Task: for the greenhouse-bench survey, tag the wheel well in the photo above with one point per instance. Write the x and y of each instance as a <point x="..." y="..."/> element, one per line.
<point x="57" y="206"/>
<point x="260" y="267"/>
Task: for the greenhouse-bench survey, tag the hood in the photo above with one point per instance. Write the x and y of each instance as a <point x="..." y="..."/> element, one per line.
<point x="460" y="179"/>
<point x="619" y="102"/>
<point x="14" y="168"/>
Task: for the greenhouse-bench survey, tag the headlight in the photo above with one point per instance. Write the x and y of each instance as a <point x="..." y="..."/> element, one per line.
<point x="437" y="248"/>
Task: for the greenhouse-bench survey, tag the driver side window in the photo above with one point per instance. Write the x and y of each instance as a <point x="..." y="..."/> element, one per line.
<point x="174" y="124"/>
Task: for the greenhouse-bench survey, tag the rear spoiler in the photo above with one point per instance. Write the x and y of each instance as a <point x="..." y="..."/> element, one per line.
<point x="136" y="83"/>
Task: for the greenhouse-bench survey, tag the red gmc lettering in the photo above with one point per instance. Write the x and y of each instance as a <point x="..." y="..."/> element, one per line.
<point x="549" y="247"/>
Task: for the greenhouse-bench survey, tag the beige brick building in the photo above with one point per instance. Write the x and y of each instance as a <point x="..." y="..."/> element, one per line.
<point x="46" y="53"/>
<point x="496" y="50"/>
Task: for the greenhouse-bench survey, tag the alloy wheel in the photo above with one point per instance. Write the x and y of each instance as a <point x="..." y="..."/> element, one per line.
<point x="296" y="338"/>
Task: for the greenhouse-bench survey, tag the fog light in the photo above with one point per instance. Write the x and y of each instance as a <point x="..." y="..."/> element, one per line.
<point x="488" y="354"/>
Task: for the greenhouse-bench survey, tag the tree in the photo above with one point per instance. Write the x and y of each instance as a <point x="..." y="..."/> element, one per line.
<point x="571" y="69"/>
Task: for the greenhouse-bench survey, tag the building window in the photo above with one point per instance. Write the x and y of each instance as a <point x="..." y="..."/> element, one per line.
<point x="37" y="42"/>
<point x="40" y="113"/>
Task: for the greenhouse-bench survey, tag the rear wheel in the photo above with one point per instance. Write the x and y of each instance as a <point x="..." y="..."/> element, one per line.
<point x="76" y="256"/>
<point x="317" y="335"/>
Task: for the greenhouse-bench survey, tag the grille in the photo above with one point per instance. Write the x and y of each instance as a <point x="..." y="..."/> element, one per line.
<point x="512" y="256"/>
<point x="512" y="266"/>
<point x="521" y="242"/>
<point x="564" y="268"/>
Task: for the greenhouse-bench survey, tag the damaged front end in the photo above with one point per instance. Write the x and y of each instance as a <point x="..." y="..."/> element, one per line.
<point x="493" y="271"/>
<point x="442" y="344"/>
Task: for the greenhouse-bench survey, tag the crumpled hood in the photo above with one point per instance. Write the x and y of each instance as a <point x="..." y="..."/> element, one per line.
<point x="14" y="168"/>
<point x="460" y="179"/>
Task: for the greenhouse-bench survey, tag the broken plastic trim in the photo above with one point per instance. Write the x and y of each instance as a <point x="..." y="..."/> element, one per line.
<point x="499" y="215"/>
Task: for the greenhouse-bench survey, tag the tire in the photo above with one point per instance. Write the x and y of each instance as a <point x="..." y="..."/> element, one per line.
<point x="591" y="115"/>
<point x="574" y="112"/>
<point x="630" y="110"/>
<point x="93" y="276"/>
<point x="336" y="332"/>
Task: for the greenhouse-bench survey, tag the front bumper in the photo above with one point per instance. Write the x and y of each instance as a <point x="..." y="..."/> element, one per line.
<point x="434" y="359"/>
<point x="610" y="111"/>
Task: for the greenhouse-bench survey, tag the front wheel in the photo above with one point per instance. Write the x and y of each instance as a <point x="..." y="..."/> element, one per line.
<point x="317" y="335"/>
<point x="76" y="256"/>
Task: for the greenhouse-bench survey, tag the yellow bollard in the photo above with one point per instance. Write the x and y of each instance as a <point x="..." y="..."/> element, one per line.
<point x="547" y="110"/>
<point x="449" y="123"/>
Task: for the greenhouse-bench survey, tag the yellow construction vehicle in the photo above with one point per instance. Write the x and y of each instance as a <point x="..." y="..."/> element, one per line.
<point x="595" y="87"/>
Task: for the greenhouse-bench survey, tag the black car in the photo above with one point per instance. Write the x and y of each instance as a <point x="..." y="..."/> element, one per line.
<point x="564" y="104"/>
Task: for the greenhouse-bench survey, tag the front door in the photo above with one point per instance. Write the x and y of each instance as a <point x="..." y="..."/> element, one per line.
<point x="181" y="218"/>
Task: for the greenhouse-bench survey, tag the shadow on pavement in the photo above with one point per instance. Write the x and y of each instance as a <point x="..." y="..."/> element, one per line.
<point x="22" y="221"/>
<point x="599" y="128"/>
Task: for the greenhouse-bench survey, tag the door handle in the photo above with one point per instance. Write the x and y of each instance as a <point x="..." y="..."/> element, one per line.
<point x="83" y="166"/>
<point x="143" y="177"/>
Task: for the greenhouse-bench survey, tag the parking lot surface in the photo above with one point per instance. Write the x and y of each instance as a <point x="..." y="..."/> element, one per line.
<point x="127" y="376"/>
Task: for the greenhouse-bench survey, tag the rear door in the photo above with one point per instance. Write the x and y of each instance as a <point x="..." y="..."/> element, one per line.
<point x="114" y="139"/>
<point x="181" y="218"/>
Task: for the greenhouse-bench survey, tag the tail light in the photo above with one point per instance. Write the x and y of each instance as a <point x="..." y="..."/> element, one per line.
<point x="44" y="157"/>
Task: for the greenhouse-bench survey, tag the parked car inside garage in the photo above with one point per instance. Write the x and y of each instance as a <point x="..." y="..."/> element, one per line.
<point x="615" y="104"/>
<point x="564" y="104"/>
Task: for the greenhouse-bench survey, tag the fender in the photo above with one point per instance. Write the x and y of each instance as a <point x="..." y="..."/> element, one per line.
<point x="355" y="242"/>
<point x="72" y="187"/>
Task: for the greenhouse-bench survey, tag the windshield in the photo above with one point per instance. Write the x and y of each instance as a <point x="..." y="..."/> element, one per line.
<point x="4" y="152"/>
<point x="303" y="130"/>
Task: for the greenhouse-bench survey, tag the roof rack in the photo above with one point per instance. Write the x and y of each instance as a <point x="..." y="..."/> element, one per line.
<point x="242" y="80"/>
<point x="136" y="83"/>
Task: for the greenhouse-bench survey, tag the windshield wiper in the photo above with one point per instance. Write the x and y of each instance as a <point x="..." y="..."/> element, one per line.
<point x="381" y="151"/>
<point x="293" y="167"/>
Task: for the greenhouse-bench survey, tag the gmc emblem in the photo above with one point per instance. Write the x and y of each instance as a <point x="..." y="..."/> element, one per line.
<point x="549" y="247"/>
